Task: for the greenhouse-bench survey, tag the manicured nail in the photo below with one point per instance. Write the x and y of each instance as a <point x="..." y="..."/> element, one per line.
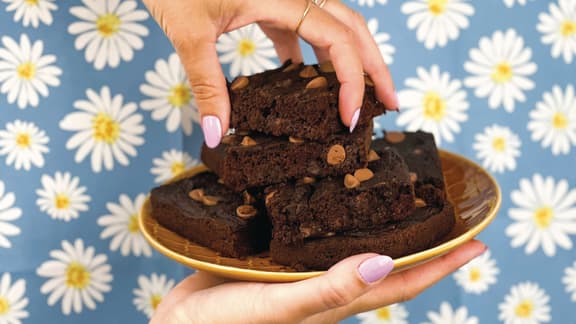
<point x="212" y="130"/>
<point x="375" y="268"/>
<point x="354" y="120"/>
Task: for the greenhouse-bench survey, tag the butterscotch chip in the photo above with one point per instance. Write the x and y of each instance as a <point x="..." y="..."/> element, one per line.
<point x="246" y="211"/>
<point x="210" y="200"/>
<point x="305" y="231"/>
<point x="326" y="67"/>
<point x="308" y="72"/>
<point x="248" y="198"/>
<point x="295" y="140"/>
<point x="373" y="156"/>
<point x="363" y="174"/>
<point x="291" y="67"/>
<point x="419" y="202"/>
<point x="308" y="180"/>
<point x="239" y="83"/>
<point x="368" y="81"/>
<point x="247" y="141"/>
<point x="228" y="139"/>
<point x="336" y="154"/>
<point x="395" y="137"/>
<point x="413" y="177"/>
<point x="351" y="181"/>
<point x="242" y="132"/>
<point x="269" y="196"/>
<point x="317" y="82"/>
<point x="220" y="181"/>
<point x="196" y="194"/>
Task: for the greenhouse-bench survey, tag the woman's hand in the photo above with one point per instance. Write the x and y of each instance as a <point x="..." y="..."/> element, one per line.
<point x="335" y="31"/>
<point x="352" y="286"/>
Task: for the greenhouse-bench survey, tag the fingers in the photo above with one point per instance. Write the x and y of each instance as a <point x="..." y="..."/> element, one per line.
<point x="285" y="42"/>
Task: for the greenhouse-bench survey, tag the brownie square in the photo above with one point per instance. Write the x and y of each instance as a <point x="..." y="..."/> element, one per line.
<point x="206" y="212"/>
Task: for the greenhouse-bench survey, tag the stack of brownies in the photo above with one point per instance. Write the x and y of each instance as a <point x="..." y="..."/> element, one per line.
<point x="293" y="180"/>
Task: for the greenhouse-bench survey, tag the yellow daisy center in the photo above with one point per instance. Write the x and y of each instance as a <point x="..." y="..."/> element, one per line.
<point x="177" y="168"/>
<point x="437" y="7"/>
<point x="133" y="224"/>
<point x="434" y="106"/>
<point x="108" y="24"/>
<point x="77" y="276"/>
<point x="23" y="140"/>
<point x="524" y="309"/>
<point x="568" y="28"/>
<point x="105" y="128"/>
<point x="383" y="313"/>
<point x="26" y="70"/>
<point x="155" y="301"/>
<point x="502" y="72"/>
<point x="475" y="274"/>
<point x="543" y="216"/>
<point x="31" y="2"/>
<point x="4" y="305"/>
<point x="246" y="47"/>
<point x="179" y="95"/>
<point x="559" y="121"/>
<point x="61" y="201"/>
<point x="499" y="144"/>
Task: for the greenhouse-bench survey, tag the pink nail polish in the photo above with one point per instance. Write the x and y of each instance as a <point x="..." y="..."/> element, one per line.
<point x="354" y="120"/>
<point x="375" y="268"/>
<point x="212" y="130"/>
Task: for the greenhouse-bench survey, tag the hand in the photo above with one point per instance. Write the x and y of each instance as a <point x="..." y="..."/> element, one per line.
<point x="336" y="33"/>
<point x="352" y="286"/>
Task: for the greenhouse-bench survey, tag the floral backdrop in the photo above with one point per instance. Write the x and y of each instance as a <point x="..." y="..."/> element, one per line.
<point x="95" y="111"/>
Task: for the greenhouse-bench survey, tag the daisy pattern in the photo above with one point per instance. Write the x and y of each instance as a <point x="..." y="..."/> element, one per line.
<point x="171" y="164"/>
<point x="392" y="314"/>
<point x="381" y="40"/>
<point x="510" y="3"/>
<point x="569" y="280"/>
<point x="477" y="275"/>
<point x="150" y="292"/>
<point x="62" y="197"/>
<point x="23" y="144"/>
<point x="25" y="73"/>
<point x="433" y="103"/>
<point x="32" y="12"/>
<point x="448" y="315"/>
<point x="12" y="300"/>
<point x="108" y="31"/>
<point x="501" y="67"/>
<point x="105" y="128"/>
<point x="122" y="225"/>
<point x="437" y="21"/>
<point x="370" y="3"/>
<point x="497" y="147"/>
<point x="545" y="217"/>
<point x="553" y="121"/>
<point x="77" y="276"/>
<point x="525" y="303"/>
<point x="558" y="28"/>
<point x="247" y="50"/>
<point x="171" y="97"/>
<point x="7" y="214"/>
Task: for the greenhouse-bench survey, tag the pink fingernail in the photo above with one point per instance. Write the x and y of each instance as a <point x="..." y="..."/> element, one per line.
<point x="354" y="120"/>
<point x="375" y="268"/>
<point x="212" y="130"/>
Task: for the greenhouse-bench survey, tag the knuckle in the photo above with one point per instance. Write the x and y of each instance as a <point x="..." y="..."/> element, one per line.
<point x="335" y="296"/>
<point x="203" y="90"/>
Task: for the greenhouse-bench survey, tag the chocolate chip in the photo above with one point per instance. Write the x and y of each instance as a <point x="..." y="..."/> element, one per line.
<point x="246" y="211"/>
<point x="228" y="139"/>
<point x="291" y="67"/>
<point x="308" y="72"/>
<point x="317" y="82"/>
<point x="336" y="154"/>
<point x="363" y="174"/>
<point x="395" y="137"/>
<point x="239" y="83"/>
<point x="196" y="194"/>
<point x="351" y="181"/>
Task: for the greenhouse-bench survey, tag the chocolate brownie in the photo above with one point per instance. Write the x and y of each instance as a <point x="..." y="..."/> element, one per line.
<point x="421" y="155"/>
<point x="425" y="227"/>
<point x="244" y="161"/>
<point x="369" y="197"/>
<point x="202" y="210"/>
<point x="295" y="100"/>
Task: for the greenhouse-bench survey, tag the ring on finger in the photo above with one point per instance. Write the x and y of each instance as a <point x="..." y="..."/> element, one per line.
<point x="304" y="14"/>
<point x="320" y="3"/>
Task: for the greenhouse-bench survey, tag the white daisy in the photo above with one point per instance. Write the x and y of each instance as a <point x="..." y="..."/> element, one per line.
<point x="24" y="72"/>
<point x="23" y="144"/>
<point x="77" y="276"/>
<point x="433" y="103"/>
<point x="150" y="292"/>
<point x="370" y="3"/>
<point x="447" y="315"/>
<point x="477" y="275"/>
<point x="553" y="121"/>
<point x="500" y="67"/>
<point x="12" y="300"/>
<point x="171" y="97"/>
<point x="381" y="40"/>
<point x="108" y="31"/>
<point x="497" y="147"/>
<point x="545" y="217"/>
<point x="7" y="214"/>
<point x="105" y="128"/>
<point x="61" y="197"/>
<point x="510" y="3"/>
<point x="247" y="49"/>
<point x="558" y="28"/>
<point x="391" y="314"/>
<point x="171" y="164"/>
<point x="570" y="280"/>
<point x="122" y="225"/>
<point x="437" y="21"/>
<point x="32" y="11"/>
<point x="526" y="303"/>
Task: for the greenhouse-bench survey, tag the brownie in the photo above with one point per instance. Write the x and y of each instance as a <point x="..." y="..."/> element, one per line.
<point x="202" y="210"/>
<point x="421" y="155"/>
<point x="295" y="100"/>
<point x="244" y="161"/>
<point x="370" y="197"/>
<point x="424" y="228"/>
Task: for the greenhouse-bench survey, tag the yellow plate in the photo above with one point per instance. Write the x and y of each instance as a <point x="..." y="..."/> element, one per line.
<point x="473" y="191"/>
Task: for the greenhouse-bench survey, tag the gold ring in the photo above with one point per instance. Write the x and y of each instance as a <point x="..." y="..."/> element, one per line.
<point x="304" y="14"/>
<point x="320" y="3"/>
